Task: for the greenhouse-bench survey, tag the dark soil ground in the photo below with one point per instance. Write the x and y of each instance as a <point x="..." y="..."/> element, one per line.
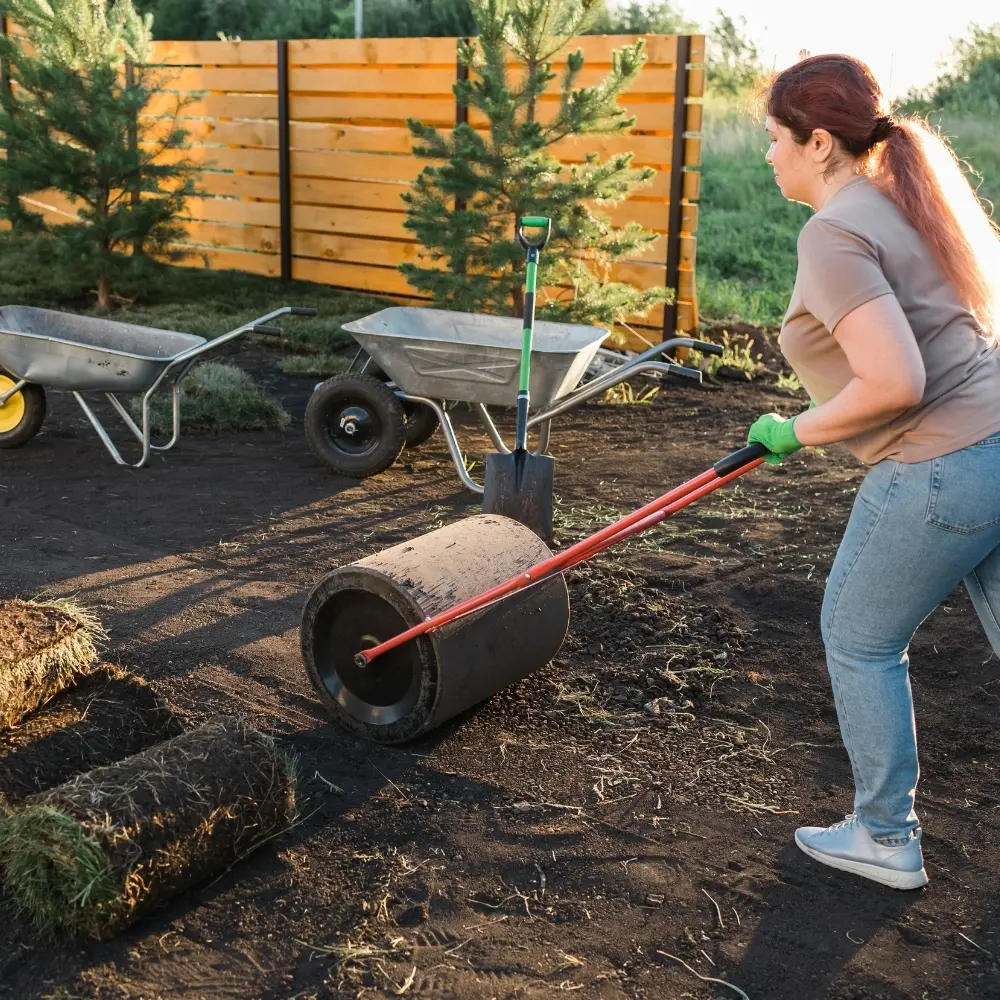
<point x="634" y="800"/>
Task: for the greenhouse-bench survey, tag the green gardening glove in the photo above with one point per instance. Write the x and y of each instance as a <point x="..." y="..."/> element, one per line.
<point x="776" y="434"/>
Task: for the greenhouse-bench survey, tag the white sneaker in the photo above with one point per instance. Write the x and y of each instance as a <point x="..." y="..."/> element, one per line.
<point x="847" y="845"/>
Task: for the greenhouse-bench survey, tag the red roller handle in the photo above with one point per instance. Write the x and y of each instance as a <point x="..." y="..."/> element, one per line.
<point x="653" y="513"/>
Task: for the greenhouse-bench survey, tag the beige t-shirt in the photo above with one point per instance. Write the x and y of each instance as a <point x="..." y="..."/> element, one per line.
<point x="859" y="247"/>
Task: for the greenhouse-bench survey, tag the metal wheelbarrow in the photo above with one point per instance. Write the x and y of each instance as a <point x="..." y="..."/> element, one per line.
<point x="413" y="362"/>
<point x="42" y="349"/>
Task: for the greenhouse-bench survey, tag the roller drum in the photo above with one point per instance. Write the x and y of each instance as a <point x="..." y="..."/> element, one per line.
<point x="423" y="683"/>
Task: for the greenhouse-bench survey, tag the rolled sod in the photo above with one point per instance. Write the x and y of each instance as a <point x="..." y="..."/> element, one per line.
<point x="44" y="648"/>
<point x="107" y="716"/>
<point x="103" y="850"/>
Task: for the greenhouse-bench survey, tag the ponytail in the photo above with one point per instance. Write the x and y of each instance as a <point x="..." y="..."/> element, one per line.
<point x="920" y="173"/>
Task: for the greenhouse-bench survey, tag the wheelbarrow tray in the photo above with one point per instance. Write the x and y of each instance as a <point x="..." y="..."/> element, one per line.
<point x="471" y="358"/>
<point x="84" y="354"/>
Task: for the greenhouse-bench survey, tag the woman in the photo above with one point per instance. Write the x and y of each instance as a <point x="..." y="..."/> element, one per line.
<point x="892" y="329"/>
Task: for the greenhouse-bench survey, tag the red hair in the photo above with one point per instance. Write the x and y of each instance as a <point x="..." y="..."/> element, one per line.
<point x="909" y="162"/>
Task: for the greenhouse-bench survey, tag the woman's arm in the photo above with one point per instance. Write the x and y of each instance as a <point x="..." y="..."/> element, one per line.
<point x="889" y="375"/>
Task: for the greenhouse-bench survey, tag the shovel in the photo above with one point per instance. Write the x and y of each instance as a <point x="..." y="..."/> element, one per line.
<point x="519" y="485"/>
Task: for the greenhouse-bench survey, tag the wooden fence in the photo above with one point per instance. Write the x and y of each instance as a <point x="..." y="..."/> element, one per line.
<point x="304" y="153"/>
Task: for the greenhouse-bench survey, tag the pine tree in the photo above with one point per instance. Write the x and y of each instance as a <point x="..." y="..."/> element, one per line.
<point x="463" y="207"/>
<point x="74" y="124"/>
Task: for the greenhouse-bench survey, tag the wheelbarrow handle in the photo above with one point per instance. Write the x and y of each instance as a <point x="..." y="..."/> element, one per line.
<point x="303" y="311"/>
<point x="266" y="330"/>
<point x="534" y="222"/>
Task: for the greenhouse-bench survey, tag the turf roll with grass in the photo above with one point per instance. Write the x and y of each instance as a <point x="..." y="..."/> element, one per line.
<point x="45" y="646"/>
<point x="106" y="717"/>
<point x="103" y="850"/>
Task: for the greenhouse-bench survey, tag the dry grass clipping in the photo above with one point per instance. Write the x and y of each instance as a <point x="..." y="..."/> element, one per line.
<point x="107" y="716"/>
<point x="45" y="646"/>
<point x="94" y="855"/>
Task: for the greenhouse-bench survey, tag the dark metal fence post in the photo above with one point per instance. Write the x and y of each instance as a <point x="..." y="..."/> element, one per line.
<point x="461" y="108"/>
<point x="676" y="212"/>
<point x="284" y="162"/>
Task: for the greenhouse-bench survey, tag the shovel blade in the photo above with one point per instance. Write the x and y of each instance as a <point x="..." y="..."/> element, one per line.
<point x="519" y="486"/>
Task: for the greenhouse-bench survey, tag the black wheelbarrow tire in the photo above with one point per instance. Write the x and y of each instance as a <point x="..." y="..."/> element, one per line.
<point x="355" y="425"/>
<point x="421" y="423"/>
<point x="25" y="412"/>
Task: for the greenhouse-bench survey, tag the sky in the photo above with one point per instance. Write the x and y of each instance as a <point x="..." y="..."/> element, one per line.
<point x="901" y="43"/>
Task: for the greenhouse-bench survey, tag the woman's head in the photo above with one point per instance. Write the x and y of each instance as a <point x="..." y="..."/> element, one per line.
<point x="829" y="120"/>
<point x="825" y="115"/>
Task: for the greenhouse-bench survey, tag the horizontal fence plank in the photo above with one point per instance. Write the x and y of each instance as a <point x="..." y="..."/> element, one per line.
<point x="360" y="109"/>
<point x="268" y="265"/>
<point x="358" y="222"/>
<point x="652" y="113"/>
<point x="372" y="51"/>
<point x="233" y="210"/>
<point x="240" y="79"/>
<point x="364" y="108"/>
<point x="599" y="48"/>
<point x="371" y="80"/>
<point x="255" y="186"/>
<point x="349" y="194"/>
<point x="219" y="53"/>
<point x="378" y="280"/>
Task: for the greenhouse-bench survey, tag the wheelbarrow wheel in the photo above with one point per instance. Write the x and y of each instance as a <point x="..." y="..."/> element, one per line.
<point x="22" y="416"/>
<point x="355" y="425"/>
<point x="421" y="423"/>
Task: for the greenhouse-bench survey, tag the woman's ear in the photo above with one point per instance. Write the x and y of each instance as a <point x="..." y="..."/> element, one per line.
<point x="821" y="145"/>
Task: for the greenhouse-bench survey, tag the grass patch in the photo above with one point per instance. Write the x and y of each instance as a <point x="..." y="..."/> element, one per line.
<point x="96" y="854"/>
<point x="45" y="646"/>
<point x="220" y="398"/>
<point x="319" y="364"/>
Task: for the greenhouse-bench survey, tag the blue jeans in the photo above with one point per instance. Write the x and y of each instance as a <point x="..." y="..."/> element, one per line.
<point x="915" y="533"/>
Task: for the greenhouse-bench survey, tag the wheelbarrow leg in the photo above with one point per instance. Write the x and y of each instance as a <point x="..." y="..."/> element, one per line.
<point x="544" y="433"/>
<point x="450" y="439"/>
<point x="106" y="440"/>
<point x="491" y="428"/>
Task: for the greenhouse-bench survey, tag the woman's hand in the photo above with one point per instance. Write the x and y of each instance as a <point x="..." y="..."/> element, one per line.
<point x="889" y="375"/>
<point x="776" y="434"/>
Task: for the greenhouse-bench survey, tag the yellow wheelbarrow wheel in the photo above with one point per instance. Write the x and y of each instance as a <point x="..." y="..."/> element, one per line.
<point x="22" y="415"/>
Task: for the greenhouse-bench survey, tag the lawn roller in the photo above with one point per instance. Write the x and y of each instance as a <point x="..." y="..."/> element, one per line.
<point x="399" y="642"/>
<point x="43" y="349"/>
